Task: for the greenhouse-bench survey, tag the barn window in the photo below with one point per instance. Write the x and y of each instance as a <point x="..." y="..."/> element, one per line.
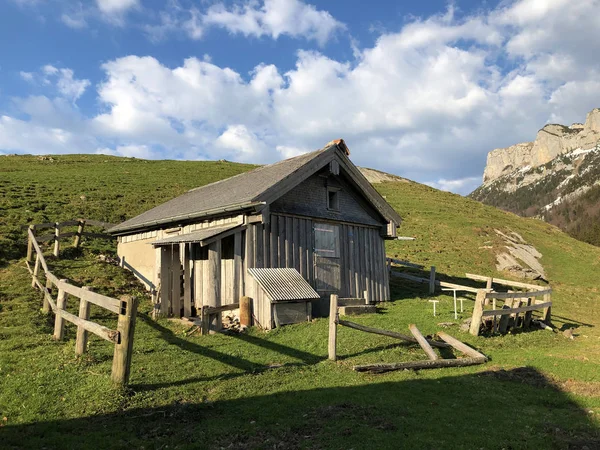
<point x="333" y="198"/>
<point x="327" y="240"/>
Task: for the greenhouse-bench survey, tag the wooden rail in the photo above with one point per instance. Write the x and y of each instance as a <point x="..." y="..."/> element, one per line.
<point x="207" y="311"/>
<point x="515" y="303"/>
<point x="59" y="236"/>
<point x="126" y="308"/>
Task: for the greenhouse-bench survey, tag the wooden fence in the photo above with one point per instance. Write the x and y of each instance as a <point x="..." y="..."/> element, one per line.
<point x="433" y="361"/>
<point x="60" y="235"/>
<point x="516" y="311"/>
<point x="126" y="308"/>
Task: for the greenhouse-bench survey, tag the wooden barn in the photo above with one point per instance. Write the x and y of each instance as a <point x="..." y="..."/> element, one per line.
<point x="315" y="214"/>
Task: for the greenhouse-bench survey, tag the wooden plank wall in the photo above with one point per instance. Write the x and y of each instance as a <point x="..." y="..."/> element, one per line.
<point x="287" y="241"/>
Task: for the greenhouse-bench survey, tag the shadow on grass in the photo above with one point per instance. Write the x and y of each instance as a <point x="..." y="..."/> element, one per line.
<point x="457" y="412"/>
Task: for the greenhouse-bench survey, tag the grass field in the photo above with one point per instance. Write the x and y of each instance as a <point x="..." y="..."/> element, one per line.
<point x="277" y="390"/>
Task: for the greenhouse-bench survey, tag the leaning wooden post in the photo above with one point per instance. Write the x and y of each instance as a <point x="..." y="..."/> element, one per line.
<point x="77" y="239"/>
<point x="123" y="349"/>
<point x="333" y="319"/>
<point x="36" y="269"/>
<point x="30" y="243"/>
<point x="488" y="288"/>
<point x="432" y="281"/>
<point x="82" y="334"/>
<point x="477" y="312"/>
<point x="245" y="312"/>
<point x="61" y="305"/>
<point x="56" y="239"/>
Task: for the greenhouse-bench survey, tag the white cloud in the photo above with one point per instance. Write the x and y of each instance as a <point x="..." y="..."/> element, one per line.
<point x="116" y="6"/>
<point x="272" y="18"/>
<point x="129" y="151"/>
<point x="427" y="102"/>
<point x="27" y="76"/>
<point x="63" y="80"/>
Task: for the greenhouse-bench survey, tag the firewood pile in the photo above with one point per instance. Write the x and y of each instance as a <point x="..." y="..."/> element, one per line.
<point x="231" y="324"/>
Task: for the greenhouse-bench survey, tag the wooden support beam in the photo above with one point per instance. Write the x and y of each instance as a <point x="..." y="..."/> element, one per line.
<point x="477" y="313"/>
<point x="212" y="283"/>
<point x="121" y="366"/>
<point x="504" y="319"/>
<point x="187" y="280"/>
<point x="165" y="283"/>
<point x="36" y="269"/>
<point x="422" y="342"/>
<point x="333" y="319"/>
<point x="415" y="365"/>
<point x="246" y="311"/>
<point x="82" y="334"/>
<point x="391" y="334"/>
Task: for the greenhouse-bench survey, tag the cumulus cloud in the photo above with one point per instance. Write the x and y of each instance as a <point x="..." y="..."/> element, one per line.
<point x="427" y="102"/>
<point x="116" y="6"/>
<point x="271" y="18"/>
<point x="62" y="79"/>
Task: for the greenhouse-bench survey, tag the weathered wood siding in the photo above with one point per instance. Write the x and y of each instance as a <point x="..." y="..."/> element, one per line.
<point x="288" y="241"/>
<point x="309" y="199"/>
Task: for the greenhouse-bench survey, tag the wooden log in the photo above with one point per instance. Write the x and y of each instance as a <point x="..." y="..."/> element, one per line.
<point x="391" y="334"/>
<point x="80" y="227"/>
<point x="121" y="366"/>
<point x="502" y="282"/>
<point x="245" y="311"/>
<point x="477" y="313"/>
<point x="333" y="319"/>
<point x="30" y="239"/>
<point x="415" y="365"/>
<point x="68" y="223"/>
<point x="222" y="308"/>
<point x="56" y="239"/>
<point x="432" y="280"/>
<point x="59" y="323"/>
<point x="41" y="226"/>
<point x="546" y="312"/>
<point x="423" y="342"/>
<point x="204" y="319"/>
<point x="460" y="346"/>
<point x="488" y="283"/>
<point x="82" y="335"/>
<point x="36" y="269"/>
<point x="506" y="311"/>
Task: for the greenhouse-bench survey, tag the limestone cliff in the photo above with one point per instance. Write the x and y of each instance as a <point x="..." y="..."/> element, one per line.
<point x="551" y="141"/>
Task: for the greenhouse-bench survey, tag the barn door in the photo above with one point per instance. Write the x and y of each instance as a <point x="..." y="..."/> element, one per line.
<point x="326" y="265"/>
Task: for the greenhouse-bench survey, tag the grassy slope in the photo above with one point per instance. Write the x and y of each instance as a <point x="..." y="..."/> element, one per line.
<point x="231" y="392"/>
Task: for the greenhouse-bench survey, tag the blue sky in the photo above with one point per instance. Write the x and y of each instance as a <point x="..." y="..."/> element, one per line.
<point x="421" y="89"/>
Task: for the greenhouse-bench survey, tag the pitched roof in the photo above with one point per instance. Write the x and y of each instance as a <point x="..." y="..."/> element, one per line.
<point x="252" y="190"/>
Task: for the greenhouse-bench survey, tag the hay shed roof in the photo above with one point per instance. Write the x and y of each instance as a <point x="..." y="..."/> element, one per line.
<point x="198" y="236"/>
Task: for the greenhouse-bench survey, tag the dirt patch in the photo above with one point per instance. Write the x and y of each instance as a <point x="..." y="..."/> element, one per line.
<point x="520" y="258"/>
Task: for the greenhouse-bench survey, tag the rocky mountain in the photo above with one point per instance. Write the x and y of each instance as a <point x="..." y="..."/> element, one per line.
<point x="556" y="178"/>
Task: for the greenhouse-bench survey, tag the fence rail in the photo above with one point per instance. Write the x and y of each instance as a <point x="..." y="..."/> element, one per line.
<point x="125" y="308"/>
<point x="59" y="236"/>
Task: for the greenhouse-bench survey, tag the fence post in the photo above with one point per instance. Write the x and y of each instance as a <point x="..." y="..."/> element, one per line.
<point x="432" y="281"/>
<point x="477" y="312"/>
<point x="36" y="269"/>
<point x="30" y="243"/>
<point x="77" y="240"/>
<point x="59" y="322"/>
<point x="123" y="349"/>
<point x="333" y="319"/>
<point x="56" y="239"/>
<point x="546" y="312"/>
<point x="82" y="334"/>
<point x="367" y="297"/>
<point x="488" y="287"/>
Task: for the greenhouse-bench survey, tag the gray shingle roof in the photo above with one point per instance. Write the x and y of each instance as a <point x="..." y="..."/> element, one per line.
<point x="251" y="190"/>
<point x="237" y="191"/>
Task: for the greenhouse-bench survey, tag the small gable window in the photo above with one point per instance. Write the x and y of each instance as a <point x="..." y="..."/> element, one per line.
<point x="333" y="198"/>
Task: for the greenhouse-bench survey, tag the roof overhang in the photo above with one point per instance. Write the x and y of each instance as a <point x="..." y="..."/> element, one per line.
<point x="203" y="237"/>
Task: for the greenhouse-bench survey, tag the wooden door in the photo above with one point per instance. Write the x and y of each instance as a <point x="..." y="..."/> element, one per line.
<point x="326" y="264"/>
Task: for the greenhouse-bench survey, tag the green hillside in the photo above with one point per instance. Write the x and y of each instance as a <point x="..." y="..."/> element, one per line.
<point x="277" y="389"/>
